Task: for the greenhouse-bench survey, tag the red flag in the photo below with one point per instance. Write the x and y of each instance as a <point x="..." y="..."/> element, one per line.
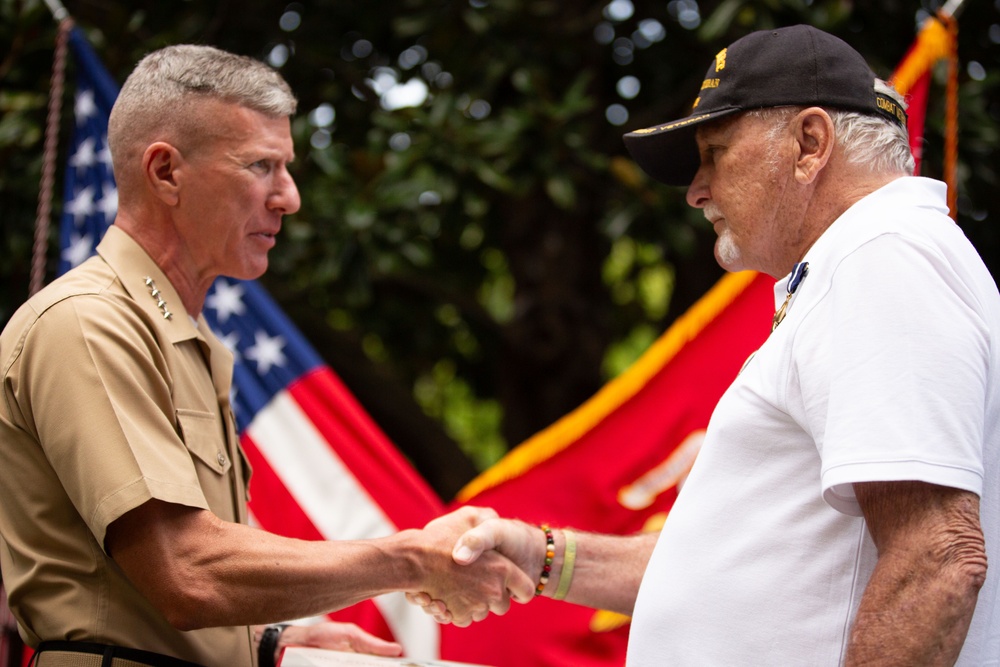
<point x="614" y="466"/>
<point x="912" y="77"/>
<point x="323" y="470"/>
<point x="937" y="40"/>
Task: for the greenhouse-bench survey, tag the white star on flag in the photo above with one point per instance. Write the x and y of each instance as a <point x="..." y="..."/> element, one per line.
<point x="78" y="250"/>
<point x="85" y="156"/>
<point x="226" y="300"/>
<point x="85" y="106"/>
<point x="266" y="351"/>
<point x="231" y="340"/>
<point x="104" y="155"/>
<point x="109" y="203"/>
<point x="82" y="204"/>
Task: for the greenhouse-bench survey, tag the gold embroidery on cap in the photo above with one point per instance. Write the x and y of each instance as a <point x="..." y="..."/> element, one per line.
<point x="697" y="101"/>
<point x="720" y="60"/>
<point x="890" y="107"/>
<point x="672" y="126"/>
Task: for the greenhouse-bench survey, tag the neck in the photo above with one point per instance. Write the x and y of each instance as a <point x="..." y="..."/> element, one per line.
<point x="155" y="237"/>
<point x="837" y="191"/>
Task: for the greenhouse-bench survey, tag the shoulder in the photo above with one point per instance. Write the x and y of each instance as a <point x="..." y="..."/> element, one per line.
<point x="87" y="300"/>
<point x="900" y="232"/>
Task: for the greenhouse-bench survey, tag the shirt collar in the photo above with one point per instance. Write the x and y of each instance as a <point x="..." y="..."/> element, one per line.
<point x="147" y="284"/>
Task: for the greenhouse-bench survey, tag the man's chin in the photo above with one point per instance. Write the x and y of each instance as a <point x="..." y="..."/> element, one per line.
<point x="728" y="257"/>
<point x="252" y="271"/>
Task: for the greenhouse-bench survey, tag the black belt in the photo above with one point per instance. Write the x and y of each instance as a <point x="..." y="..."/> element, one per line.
<point x="110" y="656"/>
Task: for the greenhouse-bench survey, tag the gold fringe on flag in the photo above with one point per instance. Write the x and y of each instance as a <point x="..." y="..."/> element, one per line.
<point x="932" y="45"/>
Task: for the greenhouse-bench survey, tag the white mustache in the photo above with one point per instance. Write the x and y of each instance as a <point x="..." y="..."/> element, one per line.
<point x="711" y="212"/>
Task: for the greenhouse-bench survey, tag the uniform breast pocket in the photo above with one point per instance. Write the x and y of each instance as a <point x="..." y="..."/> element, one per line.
<point x="203" y="434"/>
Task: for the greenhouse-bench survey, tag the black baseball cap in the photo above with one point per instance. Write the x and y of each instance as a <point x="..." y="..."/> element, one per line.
<point x="795" y="66"/>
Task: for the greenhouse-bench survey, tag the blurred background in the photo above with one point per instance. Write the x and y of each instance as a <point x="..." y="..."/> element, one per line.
<point x="476" y="255"/>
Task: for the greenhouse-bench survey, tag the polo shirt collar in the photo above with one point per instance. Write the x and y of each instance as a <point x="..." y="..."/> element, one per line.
<point x="861" y="221"/>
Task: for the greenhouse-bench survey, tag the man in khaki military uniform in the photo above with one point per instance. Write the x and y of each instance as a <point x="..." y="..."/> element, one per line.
<point x="123" y="484"/>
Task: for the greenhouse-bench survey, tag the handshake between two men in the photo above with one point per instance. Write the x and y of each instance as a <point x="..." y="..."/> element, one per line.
<point x="510" y="559"/>
<point x="470" y="563"/>
<point x="467" y="564"/>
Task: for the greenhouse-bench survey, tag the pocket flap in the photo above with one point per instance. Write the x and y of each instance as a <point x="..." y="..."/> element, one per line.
<point x="203" y="435"/>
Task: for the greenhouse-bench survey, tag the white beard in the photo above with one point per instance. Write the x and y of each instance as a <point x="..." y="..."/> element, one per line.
<point x="727" y="253"/>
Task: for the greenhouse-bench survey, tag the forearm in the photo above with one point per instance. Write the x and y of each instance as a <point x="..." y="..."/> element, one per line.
<point x="268" y="578"/>
<point x="607" y="571"/>
<point x="200" y="571"/>
<point x="919" y="602"/>
<point x="237" y="575"/>
<point x="328" y="634"/>
<point x="909" y="621"/>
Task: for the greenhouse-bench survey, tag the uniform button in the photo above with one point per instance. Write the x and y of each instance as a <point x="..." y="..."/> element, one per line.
<point x="221" y="459"/>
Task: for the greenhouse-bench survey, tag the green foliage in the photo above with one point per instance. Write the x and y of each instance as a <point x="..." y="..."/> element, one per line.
<point x="473" y="422"/>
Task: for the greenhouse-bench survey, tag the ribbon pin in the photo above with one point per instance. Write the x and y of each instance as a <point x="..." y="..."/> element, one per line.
<point x="798" y="275"/>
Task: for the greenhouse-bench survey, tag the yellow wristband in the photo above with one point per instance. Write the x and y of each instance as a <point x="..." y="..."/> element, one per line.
<point x="569" y="561"/>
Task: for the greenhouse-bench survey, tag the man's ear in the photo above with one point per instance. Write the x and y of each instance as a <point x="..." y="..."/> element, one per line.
<point x="161" y="163"/>
<point x="814" y="135"/>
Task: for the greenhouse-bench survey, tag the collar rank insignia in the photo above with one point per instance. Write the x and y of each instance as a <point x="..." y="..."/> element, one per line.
<point x="155" y="293"/>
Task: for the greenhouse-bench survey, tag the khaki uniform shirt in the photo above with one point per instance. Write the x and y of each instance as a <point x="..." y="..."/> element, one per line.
<point x="108" y="403"/>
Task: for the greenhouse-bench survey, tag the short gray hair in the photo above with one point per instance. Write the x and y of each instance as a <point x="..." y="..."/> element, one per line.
<point x="879" y="143"/>
<point x="160" y="94"/>
<point x="874" y="140"/>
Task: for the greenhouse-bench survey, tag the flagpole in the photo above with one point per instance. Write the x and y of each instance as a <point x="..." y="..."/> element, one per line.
<point x="51" y="144"/>
<point x="950" y="8"/>
<point x="59" y="12"/>
<point x="948" y="16"/>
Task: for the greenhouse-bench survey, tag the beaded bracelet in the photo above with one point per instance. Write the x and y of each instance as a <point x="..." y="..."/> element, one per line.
<point x="569" y="561"/>
<point x="550" y="554"/>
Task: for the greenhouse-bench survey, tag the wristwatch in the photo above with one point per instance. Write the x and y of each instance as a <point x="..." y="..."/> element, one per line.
<point x="269" y="644"/>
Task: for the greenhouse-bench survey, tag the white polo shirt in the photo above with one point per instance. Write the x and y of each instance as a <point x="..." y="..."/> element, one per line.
<point x="886" y="367"/>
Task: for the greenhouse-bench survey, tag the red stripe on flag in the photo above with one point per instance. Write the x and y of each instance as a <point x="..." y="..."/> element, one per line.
<point x="366" y="451"/>
<point x="271" y="502"/>
<point x="366" y="615"/>
<point x="278" y="512"/>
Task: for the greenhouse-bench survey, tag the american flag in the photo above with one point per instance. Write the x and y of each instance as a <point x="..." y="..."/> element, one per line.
<point x="90" y="195"/>
<point x="322" y="468"/>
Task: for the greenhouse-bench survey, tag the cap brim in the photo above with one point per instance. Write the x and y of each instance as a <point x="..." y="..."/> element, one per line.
<point x="668" y="152"/>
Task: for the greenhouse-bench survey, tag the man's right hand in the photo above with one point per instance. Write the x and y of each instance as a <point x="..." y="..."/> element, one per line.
<point x="487" y="538"/>
<point x="485" y="582"/>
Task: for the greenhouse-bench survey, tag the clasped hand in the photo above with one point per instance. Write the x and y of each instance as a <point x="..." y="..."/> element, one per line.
<point x="490" y="562"/>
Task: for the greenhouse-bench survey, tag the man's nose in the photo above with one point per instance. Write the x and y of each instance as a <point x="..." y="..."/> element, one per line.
<point x="697" y="193"/>
<point x="286" y="197"/>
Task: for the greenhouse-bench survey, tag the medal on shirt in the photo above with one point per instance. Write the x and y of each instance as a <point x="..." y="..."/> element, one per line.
<point x="798" y="274"/>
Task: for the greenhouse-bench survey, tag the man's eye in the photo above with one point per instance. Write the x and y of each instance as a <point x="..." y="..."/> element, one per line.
<point x="261" y="165"/>
<point x="709" y="152"/>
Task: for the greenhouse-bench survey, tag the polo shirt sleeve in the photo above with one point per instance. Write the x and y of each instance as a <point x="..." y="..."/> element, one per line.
<point x="99" y="390"/>
<point x="908" y="369"/>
